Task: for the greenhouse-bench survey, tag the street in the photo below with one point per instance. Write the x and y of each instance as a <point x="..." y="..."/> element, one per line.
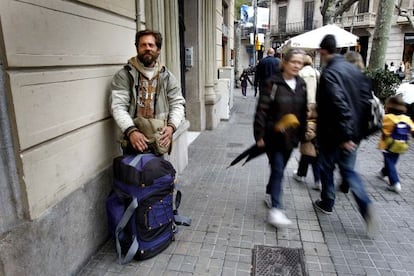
<point x="229" y="215"/>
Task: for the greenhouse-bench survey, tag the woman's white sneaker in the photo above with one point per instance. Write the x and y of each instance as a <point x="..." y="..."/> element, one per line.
<point x="278" y="219"/>
<point x="395" y="188"/>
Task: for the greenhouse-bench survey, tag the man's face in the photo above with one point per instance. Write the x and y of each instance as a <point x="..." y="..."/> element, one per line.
<point x="147" y="51"/>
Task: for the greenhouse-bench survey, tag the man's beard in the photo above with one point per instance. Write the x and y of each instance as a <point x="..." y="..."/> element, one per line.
<point x="147" y="58"/>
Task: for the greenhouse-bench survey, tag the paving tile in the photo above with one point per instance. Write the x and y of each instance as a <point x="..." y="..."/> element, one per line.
<point x="229" y="216"/>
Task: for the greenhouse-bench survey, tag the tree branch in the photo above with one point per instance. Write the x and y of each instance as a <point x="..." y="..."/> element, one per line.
<point x="325" y="6"/>
<point x="344" y="7"/>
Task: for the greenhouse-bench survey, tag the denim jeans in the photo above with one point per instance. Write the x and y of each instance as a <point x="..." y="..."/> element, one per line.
<point x="389" y="169"/>
<point x="304" y="162"/>
<point x="278" y="161"/>
<point x="346" y="159"/>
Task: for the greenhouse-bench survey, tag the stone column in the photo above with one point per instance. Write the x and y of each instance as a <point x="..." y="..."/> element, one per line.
<point x="154" y="20"/>
<point x="209" y="31"/>
<point x="172" y="48"/>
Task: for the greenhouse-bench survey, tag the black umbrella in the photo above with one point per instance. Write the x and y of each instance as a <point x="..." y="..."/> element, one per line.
<point x="250" y="153"/>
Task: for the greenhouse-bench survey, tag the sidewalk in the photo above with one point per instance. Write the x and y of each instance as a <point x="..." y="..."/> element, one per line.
<point x="229" y="216"/>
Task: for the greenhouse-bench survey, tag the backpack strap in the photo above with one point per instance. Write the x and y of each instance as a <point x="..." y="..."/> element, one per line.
<point x="121" y="225"/>
<point x="178" y="219"/>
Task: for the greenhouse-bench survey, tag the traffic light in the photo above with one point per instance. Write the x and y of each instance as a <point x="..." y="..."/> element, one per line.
<point x="257" y="44"/>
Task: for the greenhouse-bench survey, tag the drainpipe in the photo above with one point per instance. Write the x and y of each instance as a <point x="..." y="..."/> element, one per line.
<point x="138" y="14"/>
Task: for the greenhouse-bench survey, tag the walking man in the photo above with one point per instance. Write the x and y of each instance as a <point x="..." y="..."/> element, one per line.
<point x="339" y="128"/>
<point x="266" y="68"/>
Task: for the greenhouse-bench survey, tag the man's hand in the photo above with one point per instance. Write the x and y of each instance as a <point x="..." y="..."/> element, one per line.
<point x="349" y="146"/>
<point x="166" y="136"/>
<point x="260" y="143"/>
<point x="138" y="141"/>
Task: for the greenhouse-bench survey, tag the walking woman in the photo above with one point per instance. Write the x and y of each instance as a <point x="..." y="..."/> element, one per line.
<point x="280" y="123"/>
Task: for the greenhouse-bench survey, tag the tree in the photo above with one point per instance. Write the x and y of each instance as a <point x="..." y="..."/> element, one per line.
<point x="331" y="9"/>
<point x="380" y="39"/>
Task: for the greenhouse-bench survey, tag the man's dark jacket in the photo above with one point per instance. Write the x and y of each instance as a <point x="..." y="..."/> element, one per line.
<point x="266" y="68"/>
<point x="340" y="104"/>
<point x="269" y="111"/>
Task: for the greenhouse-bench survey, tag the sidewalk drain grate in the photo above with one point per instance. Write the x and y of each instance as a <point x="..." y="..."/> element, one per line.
<point x="280" y="261"/>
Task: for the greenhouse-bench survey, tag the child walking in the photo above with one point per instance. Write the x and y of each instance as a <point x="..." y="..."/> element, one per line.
<point x="308" y="150"/>
<point x="396" y="130"/>
<point x="244" y="78"/>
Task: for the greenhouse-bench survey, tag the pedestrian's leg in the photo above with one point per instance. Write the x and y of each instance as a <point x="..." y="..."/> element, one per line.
<point x="390" y="162"/>
<point x="344" y="186"/>
<point x="316" y="174"/>
<point x="303" y="165"/>
<point x="278" y="162"/>
<point x="347" y="161"/>
<point x="275" y="179"/>
<point x="315" y="169"/>
<point x="327" y="161"/>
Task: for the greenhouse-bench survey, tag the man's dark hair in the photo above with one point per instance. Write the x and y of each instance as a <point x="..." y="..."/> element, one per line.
<point x="155" y="34"/>
<point x="328" y="43"/>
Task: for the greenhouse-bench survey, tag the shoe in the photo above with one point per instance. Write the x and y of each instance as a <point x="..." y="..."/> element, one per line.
<point x="299" y="178"/>
<point x="395" y="188"/>
<point x="319" y="205"/>
<point x="344" y="188"/>
<point x="268" y="201"/>
<point x="381" y="176"/>
<point x="244" y="97"/>
<point x="317" y="186"/>
<point x="371" y="221"/>
<point x="278" y="219"/>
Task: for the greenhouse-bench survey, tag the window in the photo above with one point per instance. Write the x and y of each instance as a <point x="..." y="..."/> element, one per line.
<point x="308" y="15"/>
<point x="282" y="19"/>
<point x="363" y="6"/>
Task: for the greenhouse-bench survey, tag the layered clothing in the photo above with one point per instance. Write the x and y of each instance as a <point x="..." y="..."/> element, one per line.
<point x="271" y="109"/>
<point x="339" y="105"/>
<point x="127" y="101"/>
<point x="311" y="77"/>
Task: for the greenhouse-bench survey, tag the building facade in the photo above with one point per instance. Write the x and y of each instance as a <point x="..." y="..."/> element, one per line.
<point x="360" y="19"/>
<point x="293" y="17"/>
<point x="57" y="59"/>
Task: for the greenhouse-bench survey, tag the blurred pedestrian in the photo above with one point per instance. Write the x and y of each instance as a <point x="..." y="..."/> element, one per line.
<point x="339" y="129"/>
<point x="309" y="152"/>
<point x="396" y="131"/>
<point x="392" y="68"/>
<point x="280" y="123"/>
<point x="244" y="78"/>
<point x="354" y="58"/>
<point x="266" y="68"/>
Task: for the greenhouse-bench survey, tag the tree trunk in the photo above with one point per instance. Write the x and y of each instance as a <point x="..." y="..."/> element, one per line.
<point x="382" y="30"/>
<point x="329" y="12"/>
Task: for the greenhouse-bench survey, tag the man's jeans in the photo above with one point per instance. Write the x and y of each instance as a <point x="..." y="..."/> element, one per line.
<point x="346" y="160"/>
<point x="278" y="161"/>
<point x="390" y="170"/>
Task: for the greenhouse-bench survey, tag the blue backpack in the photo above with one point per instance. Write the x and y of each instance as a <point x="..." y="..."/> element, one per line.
<point x="141" y="216"/>
<point x="397" y="142"/>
